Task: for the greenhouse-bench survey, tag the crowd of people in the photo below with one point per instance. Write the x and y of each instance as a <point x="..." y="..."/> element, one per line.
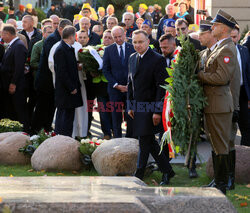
<point x="41" y="77"/>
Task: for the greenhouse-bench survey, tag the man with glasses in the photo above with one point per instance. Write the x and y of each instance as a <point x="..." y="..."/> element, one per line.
<point x="181" y="26"/>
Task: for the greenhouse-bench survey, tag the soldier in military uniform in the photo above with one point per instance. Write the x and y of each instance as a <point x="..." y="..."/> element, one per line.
<point x="216" y="76"/>
<point x="208" y="40"/>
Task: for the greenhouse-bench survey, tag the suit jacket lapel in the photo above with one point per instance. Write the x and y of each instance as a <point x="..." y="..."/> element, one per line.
<point x="116" y="53"/>
<point x="142" y="59"/>
<point x="242" y="58"/>
<point x="134" y="64"/>
<point x="127" y="48"/>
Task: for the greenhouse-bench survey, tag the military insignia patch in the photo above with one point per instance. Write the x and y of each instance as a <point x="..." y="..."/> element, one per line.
<point x="226" y="60"/>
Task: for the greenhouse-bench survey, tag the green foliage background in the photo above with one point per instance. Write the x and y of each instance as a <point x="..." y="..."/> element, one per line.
<point x="187" y="98"/>
<point x="120" y="5"/>
<point x="162" y="3"/>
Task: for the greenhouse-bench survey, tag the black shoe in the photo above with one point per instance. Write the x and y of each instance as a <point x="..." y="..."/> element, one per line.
<point x="139" y="173"/>
<point x="150" y="168"/>
<point x="192" y="173"/>
<point x="166" y="178"/>
<point x="211" y="184"/>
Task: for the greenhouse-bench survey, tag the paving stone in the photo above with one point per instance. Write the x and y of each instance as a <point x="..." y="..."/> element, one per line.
<point x="105" y="194"/>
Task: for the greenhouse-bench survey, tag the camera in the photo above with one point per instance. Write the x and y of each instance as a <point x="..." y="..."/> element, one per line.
<point x="201" y="12"/>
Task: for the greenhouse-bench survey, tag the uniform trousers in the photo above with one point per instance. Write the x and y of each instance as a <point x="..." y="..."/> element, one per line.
<point x="218" y="128"/>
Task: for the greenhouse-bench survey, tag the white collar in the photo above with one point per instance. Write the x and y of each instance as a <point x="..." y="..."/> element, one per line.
<point x="143" y="53"/>
<point x="220" y="41"/>
<point x="213" y="47"/>
<point x="12" y="41"/>
<point x="123" y="46"/>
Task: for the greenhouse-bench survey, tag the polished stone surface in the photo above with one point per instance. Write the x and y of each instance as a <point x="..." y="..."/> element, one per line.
<point x="105" y="194"/>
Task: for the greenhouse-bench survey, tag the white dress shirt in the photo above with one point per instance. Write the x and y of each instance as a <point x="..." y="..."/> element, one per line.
<point x="119" y="48"/>
<point x="30" y="34"/>
<point x="119" y="52"/>
<point x="240" y="64"/>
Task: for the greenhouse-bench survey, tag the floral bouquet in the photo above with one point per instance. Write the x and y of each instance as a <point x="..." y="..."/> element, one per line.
<point x="7" y="125"/>
<point x="91" y="59"/>
<point x="35" y="141"/>
<point x="87" y="147"/>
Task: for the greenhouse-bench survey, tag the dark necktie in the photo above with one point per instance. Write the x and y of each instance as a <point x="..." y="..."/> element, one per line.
<point x="122" y="55"/>
<point x="138" y="61"/>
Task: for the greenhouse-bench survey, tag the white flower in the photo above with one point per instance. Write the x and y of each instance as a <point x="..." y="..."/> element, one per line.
<point x="83" y="141"/>
<point x="100" y="141"/>
<point x="34" y="137"/>
<point x="94" y="139"/>
<point x="92" y="144"/>
<point x="87" y="140"/>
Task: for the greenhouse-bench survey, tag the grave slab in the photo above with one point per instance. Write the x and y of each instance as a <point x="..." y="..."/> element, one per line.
<point x="105" y="194"/>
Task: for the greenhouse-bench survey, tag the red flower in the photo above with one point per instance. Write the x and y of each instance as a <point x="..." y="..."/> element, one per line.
<point x="97" y="144"/>
<point x="176" y="52"/>
<point x="174" y="61"/>
<point x="28" y="59"/>
<point x="24" y="133"/>
<point x="100" y="49"/>
<point x="80" y="51"/>
<point x="171" y="114"/>
<point x="53" y="134"/>
<point x="169" y="123"/>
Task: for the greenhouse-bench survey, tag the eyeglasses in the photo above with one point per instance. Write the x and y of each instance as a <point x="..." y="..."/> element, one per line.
<point x="182" y="29"/>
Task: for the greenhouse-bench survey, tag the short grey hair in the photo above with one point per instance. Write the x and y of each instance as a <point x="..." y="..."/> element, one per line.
<point x="114" y="18"/>
<point x="128" y="13"/>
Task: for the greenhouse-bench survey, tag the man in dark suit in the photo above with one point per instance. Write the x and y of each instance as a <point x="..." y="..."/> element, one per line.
<point x="12" y="77"/>
<point x="147" y="72"/>
<point x="32" y="36"/>
<point x="115" y="69"/>
<point x="181" y="25"/>
<point x="244" y="113"/>
<point x="45" y="107"/>
<point x="247" y="43"/>
<point x="67" y="84"/>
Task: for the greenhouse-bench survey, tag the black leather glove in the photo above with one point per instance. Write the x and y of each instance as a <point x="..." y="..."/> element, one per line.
<point x="236" y="116"/>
